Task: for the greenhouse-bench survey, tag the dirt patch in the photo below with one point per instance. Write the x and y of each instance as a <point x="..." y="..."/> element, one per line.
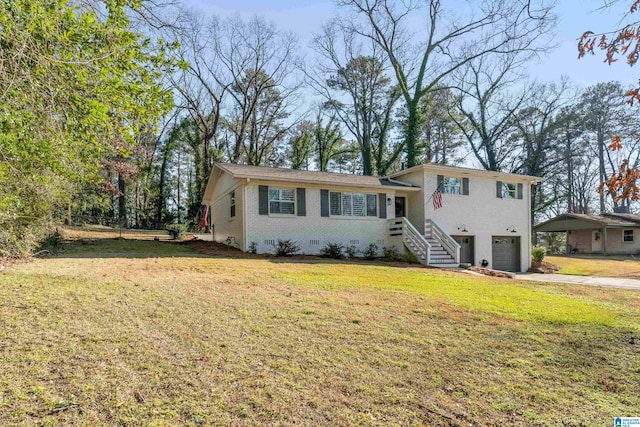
<point x="212" y="248"/>
<point x="492" y="273"/>
<point x="6" y="262"/>
<point x="543" y="267"/>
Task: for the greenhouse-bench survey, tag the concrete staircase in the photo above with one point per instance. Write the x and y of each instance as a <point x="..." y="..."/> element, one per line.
<point x="439" y="256"/>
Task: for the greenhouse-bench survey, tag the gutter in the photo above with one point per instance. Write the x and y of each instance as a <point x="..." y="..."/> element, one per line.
<point x="321" y="183"/>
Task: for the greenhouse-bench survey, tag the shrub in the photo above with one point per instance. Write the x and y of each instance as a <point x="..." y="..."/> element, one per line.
<point x="51" y="243"/>
<point x="286" y="247"/>
<point x="177" y="231"/>
<point x="390" y="253"/>
<point x="371" y="252"/>
<point x="538" y="253"/>
<point x="351" y="251"/>
<point x="19" y="239"/>
<point x="332" y="250"/>
<point x="253" y="248"/>
<point x="410" y="258"/>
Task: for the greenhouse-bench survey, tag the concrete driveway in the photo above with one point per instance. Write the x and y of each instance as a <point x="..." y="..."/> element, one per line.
<point x="611" y="282"/>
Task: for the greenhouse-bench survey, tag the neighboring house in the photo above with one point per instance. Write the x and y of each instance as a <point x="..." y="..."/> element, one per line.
<point x="484" y="216"/>
<point x="609" y="233"/>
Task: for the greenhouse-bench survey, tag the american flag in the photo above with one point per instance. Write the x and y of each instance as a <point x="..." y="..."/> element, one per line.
<point x="204" y="211"/>
<point x="437" y="199"/>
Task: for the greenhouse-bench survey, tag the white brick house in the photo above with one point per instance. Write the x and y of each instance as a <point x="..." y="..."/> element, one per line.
<point x="484" y="218"/>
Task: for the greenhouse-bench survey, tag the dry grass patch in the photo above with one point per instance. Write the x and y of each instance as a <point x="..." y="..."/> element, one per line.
<point x="150" y="333"/>
<point x="624" y="267"/>
<point x="94" y="232"/>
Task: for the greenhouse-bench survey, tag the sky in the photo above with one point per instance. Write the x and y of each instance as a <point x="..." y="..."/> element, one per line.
<point x="305" y="17"/>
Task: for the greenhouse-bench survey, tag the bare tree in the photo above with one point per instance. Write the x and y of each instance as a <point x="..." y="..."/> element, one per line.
<point x="605" y="115"/>
<point x="352" y="79"/>
<point x="455" y="35"/>
<point x="259" y="59"/>
<point x="489" y="98"/>
<point x="200" y="85"/>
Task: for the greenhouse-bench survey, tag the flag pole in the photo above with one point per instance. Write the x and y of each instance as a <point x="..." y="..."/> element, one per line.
<point x="434" y="191"/>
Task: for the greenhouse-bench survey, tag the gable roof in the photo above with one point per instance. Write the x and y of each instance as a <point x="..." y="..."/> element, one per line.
<point x="464" y="171"/>
<point x="570" y="221"/>
<point x="302" y="176"/>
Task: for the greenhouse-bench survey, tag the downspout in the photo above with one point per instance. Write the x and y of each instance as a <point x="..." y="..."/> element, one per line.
<point x="604" y="240"/>
<point x="245" y="241"/>
<point x="530" y="234"/>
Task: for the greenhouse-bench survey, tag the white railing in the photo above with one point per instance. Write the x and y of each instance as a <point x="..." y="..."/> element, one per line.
<point x="413" y="240"/>
<point x="434" y="231"/>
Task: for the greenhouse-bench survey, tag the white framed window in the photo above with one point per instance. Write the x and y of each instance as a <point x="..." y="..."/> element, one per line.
<point x="353" y="204"/>
<point x="282" y="201"/>
<point x="627" y="236"/>
<point x="509" y="191"/>
<point x="451" y="185"/>
<point x="232" y="204"/>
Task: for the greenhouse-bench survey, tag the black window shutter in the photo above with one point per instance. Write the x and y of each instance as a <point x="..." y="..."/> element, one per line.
<point x="465" y="186"/>
<point x="302" y="207"/>
<point x="382" y="201"/>
<point x="440" y="181"/>
<point x="499" y="189"/>
<point x="263" y="201"/>
<point x="519" y="191"/>
<point x="324" y="202"/>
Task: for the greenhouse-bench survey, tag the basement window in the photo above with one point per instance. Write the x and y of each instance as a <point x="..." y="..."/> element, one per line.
<point x="627" y="236"/>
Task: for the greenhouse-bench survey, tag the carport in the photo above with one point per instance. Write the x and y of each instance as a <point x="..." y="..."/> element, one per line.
<point x="605" y="234"/>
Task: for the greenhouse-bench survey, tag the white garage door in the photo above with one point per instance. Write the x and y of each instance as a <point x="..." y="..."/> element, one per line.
<point x="505" y="253"/>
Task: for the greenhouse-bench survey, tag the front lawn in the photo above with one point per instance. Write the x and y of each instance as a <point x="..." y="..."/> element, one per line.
<point x="621" y="266"/>
<point x="122" y="332"/>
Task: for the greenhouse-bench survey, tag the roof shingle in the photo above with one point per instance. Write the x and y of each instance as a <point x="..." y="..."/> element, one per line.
<point x="269" y="173"/>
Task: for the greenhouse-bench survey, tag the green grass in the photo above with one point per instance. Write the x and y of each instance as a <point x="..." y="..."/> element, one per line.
<point x="122" y="332"/>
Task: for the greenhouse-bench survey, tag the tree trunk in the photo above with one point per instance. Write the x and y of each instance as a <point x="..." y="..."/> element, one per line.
<point x="122" y="201"/>
<point x="367" y="163"/>
<point x="601" y="168"/>
<point x="412" y="134"/>
<point x="569" y="160"/>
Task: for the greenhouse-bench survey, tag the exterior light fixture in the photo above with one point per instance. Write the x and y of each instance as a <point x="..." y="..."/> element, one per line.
<point x="512" y="229"/>
<point x="463" y="228"/>
<point x="389" y="201"/>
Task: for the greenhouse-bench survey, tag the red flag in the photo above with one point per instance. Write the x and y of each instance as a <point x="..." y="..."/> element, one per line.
<point x="203" y="220"/>
<point x="437" y="199"/>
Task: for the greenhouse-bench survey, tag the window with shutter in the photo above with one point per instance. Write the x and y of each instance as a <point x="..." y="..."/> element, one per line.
<point x="451" y="185"/>
<point x="336" y="203"/>
<point x="508" y="190"/>
<point x="353" y="204"/>
<point x="282" y="201"/>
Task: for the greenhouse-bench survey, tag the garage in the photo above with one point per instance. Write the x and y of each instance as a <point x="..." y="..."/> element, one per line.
<point x="505" y="253"/>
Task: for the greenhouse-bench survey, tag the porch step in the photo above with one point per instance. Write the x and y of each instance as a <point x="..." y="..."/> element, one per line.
<point x="450" y="265"/>
<point x="437" y="251"/>
<point x="442" y="260"/>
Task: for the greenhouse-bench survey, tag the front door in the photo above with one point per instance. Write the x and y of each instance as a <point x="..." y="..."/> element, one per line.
<point x="401" y="203"/>
<point x="596" y="241"/>
<point x="466" y="249"/>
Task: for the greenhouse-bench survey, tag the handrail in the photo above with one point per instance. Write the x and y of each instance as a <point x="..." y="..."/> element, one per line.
<point x="433" y="230"/>
<point x="412" y="238"/>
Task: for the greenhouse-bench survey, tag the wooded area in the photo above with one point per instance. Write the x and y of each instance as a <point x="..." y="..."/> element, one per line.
<point x="115" y="114"/>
